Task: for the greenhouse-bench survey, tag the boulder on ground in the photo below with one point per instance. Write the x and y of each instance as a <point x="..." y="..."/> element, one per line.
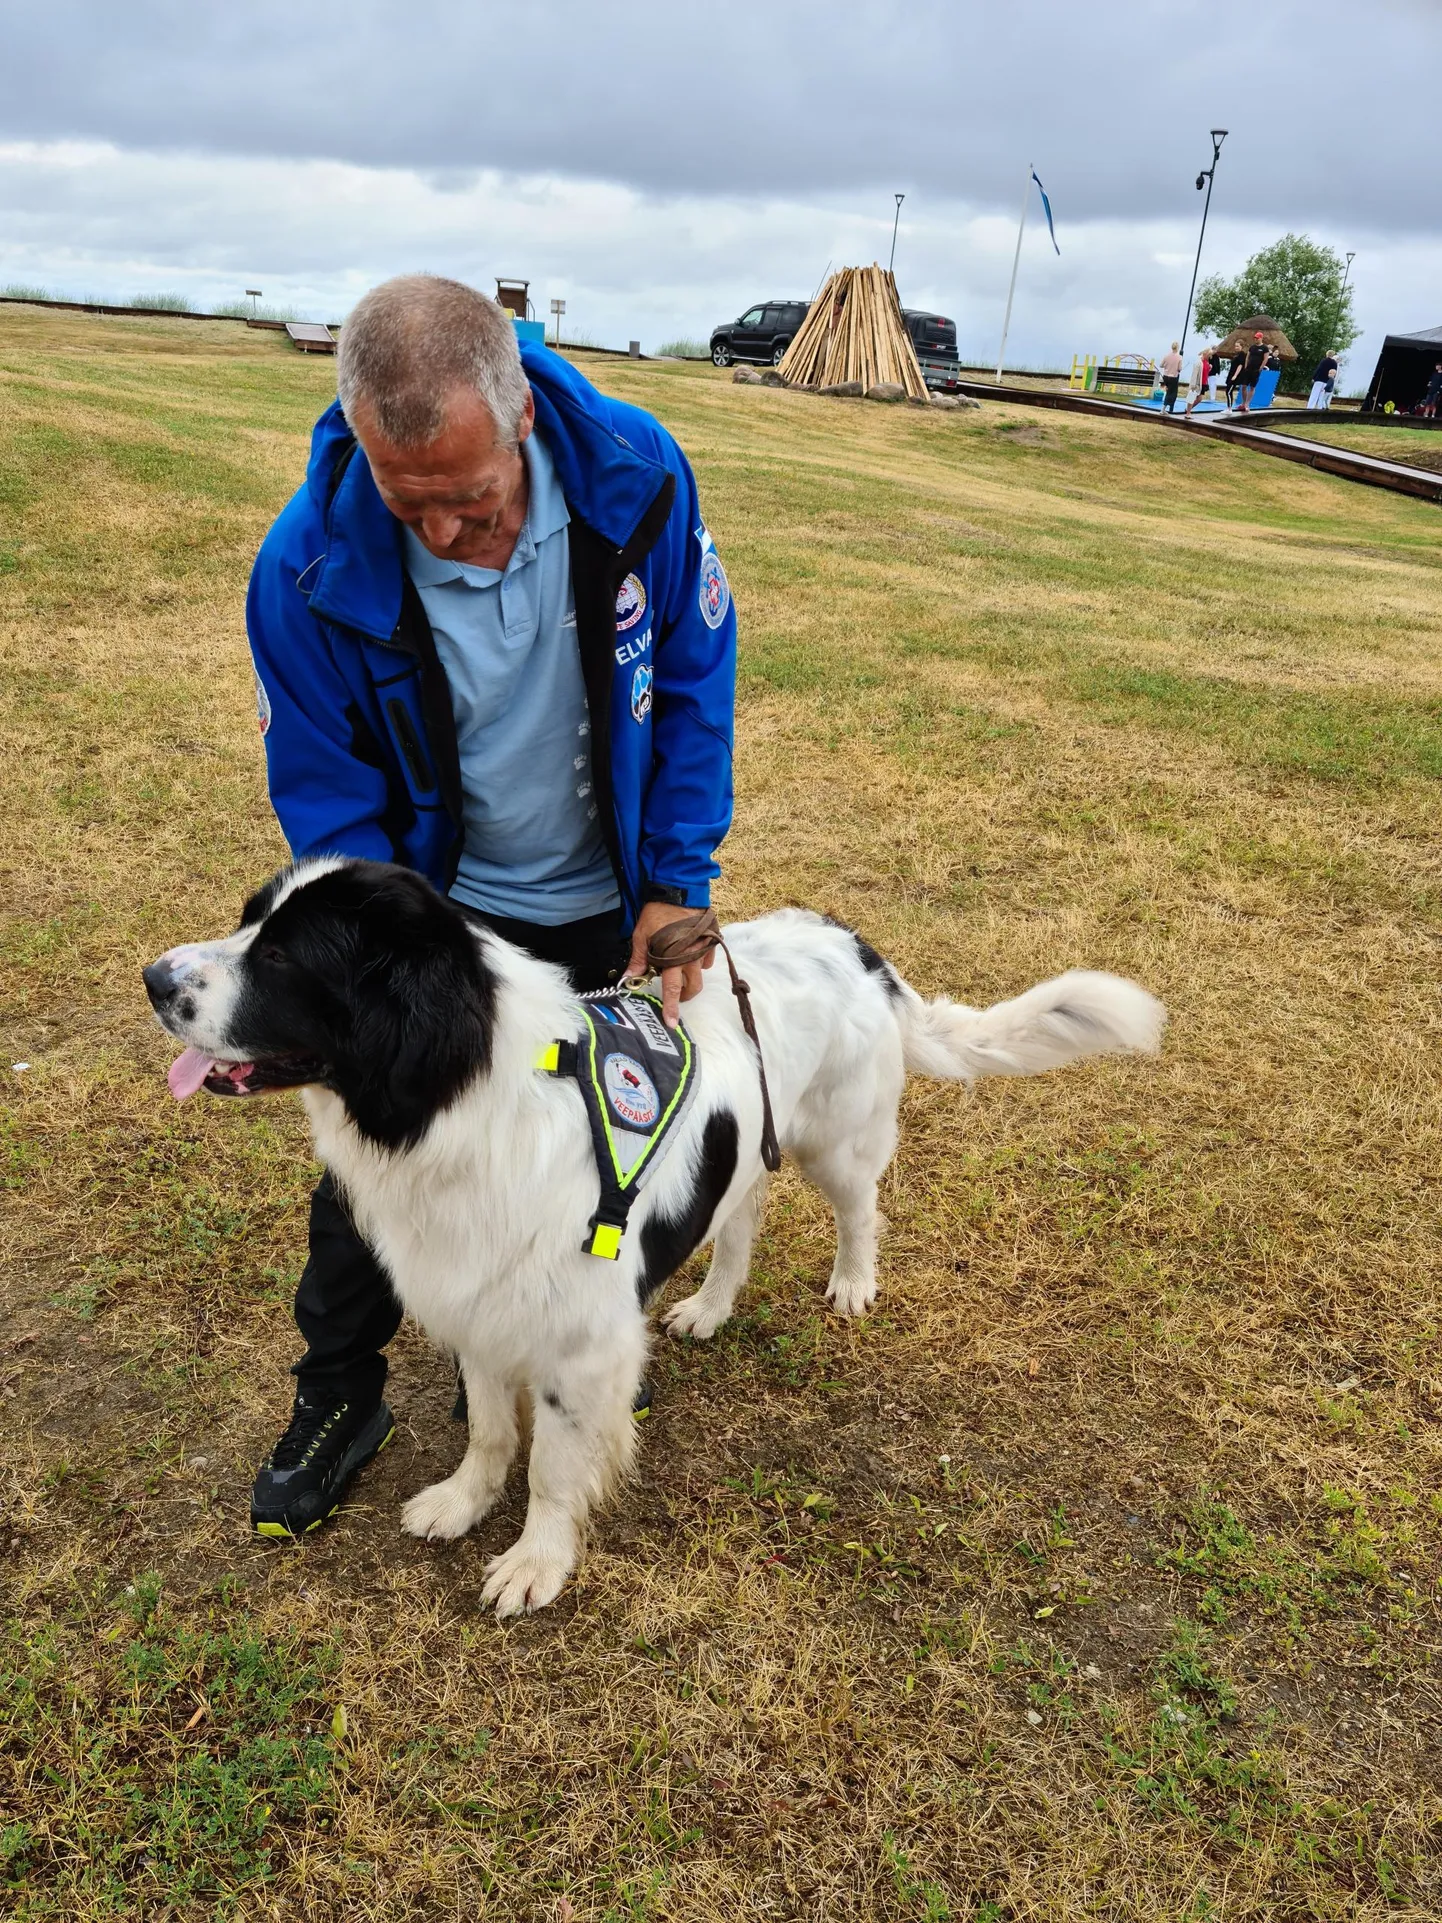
<point x="886" y="391"/>
<point x="770" y="377"/>
<point x="748" y="376"/>
<point x="843" y="390"/>
<point x="945" y="400"/>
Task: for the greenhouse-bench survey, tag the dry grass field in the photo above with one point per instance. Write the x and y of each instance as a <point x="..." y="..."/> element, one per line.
<point x="1414" y="446"/>
<point x="1097" y="1574"/>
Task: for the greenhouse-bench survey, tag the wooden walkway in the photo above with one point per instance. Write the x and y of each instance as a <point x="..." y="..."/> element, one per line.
<point x="1367" y="469"/>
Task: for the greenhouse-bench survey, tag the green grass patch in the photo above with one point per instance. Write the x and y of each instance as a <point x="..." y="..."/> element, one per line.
<point x="155" y="1761"/>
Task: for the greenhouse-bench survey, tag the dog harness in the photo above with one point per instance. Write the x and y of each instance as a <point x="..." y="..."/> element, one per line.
<point x="637" y="1078"/>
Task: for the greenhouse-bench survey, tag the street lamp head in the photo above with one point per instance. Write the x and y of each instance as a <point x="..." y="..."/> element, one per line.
<point x="1219" y="134"/>
<point x="1201" y="181"/>
<point x="900" y="198"/>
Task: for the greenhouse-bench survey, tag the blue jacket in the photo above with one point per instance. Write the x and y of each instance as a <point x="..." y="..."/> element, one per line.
<point x="354" y="705"/>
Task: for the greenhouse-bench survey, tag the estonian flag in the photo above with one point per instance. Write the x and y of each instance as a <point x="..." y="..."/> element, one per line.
<point x="1046" y="206"/>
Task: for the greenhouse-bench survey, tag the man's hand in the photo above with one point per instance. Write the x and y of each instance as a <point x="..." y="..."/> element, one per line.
<point x="677" y="984"/>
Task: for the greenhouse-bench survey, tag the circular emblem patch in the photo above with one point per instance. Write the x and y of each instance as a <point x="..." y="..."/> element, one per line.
<point x="630" y="1091"/>
<point x="641" y="684"/>
<point x="262" y="705"/>
<point x="630" y="603"/>
<point x="715" y="590"/>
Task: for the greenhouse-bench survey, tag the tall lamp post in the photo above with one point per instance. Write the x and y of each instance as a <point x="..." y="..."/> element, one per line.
<point x="894" y="225"/>
<point x="1219" y="134"/>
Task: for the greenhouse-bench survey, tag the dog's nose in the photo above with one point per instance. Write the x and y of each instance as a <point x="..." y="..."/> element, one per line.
<point x="160" y="981"/>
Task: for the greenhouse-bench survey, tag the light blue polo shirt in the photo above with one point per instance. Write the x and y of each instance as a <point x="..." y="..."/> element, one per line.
<point x="507" y="641"/>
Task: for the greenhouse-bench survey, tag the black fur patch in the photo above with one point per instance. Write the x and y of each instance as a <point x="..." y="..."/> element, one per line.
<point x="666" y="1242"/>
<point x="370" y="971"/>
<point x="262" y="901"/>
<point x="873" y="963"/>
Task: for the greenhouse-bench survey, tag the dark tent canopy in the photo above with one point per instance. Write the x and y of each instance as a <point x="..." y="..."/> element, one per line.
<point x="1404" y="368"/>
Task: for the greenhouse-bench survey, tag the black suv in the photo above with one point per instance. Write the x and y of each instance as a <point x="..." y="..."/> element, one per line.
<point x="761" y="334"/>
<point x="934" y="338"/>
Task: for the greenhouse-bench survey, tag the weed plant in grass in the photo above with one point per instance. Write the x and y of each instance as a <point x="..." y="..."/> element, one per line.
<point x="1096" y="1574"/>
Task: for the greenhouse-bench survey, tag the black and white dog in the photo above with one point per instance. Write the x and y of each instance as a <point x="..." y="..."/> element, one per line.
<point x="416" y="1036"/>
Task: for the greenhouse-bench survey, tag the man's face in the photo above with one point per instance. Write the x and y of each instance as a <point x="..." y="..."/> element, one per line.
<point x="460" y="492"/>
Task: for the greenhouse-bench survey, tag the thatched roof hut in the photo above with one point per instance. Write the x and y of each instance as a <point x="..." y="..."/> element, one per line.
<point x="1245" y="332"/>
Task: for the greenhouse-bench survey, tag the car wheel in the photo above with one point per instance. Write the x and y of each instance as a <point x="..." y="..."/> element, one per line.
<point x="721" y="355"/>
<point x="778" y="353"/>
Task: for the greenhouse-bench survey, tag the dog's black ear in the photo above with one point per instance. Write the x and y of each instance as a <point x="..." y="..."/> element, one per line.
<point x="421" y="999"/>
<point x="263" y="900"/>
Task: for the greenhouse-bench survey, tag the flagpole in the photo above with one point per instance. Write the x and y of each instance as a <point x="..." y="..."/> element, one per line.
<point x="1015" y="263"/>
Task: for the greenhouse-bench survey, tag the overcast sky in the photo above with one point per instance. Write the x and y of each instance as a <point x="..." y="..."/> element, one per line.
<point x="662" y="166"/>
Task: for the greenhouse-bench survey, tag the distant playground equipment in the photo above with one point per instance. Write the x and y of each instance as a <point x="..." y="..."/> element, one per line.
<point x="1119" y="371"/>
<point x="515" y="297"/>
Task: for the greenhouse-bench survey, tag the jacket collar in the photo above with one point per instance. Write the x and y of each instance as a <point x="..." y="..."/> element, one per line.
<point x="606" y="483"/>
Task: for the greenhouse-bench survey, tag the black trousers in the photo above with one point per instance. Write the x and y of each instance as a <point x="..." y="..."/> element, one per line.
<point x="345" y="1306"/>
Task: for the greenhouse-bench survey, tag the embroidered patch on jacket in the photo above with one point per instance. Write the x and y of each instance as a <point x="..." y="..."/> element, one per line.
<point x="715" y="590"/>
<point x="641" y="684"/>
<point x="630" y="603"/>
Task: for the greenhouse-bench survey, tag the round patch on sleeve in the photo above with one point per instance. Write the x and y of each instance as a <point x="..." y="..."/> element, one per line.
<point x="630" y="1090"/>
<point x="262" y="705"/>
<point x="715" y="590"/>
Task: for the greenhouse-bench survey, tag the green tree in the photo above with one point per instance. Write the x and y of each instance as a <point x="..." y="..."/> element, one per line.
<point x="1300" y="285"/>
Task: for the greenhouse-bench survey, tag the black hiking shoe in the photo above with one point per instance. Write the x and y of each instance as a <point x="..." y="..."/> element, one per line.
<point x="302" y="1480"/>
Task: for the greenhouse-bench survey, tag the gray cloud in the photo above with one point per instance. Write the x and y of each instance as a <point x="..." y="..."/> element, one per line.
<point x="1111" y="101"/>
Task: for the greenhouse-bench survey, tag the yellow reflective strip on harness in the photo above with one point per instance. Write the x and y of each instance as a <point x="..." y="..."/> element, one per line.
<point x="607" y="1241"/>
<point x="549" y="1058"/>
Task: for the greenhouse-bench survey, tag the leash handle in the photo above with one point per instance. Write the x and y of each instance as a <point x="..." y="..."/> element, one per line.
<point x="682" y="943"/>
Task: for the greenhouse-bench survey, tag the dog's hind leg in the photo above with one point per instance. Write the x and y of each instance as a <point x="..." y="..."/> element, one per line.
<point x="847" y="1174"/>
<point x="582" y="1442"/>
<point x="448" y="1509"/>
<point x="702" y="1314"/>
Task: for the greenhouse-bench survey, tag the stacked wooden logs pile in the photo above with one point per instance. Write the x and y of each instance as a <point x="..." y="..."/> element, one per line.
<point x="854" y="334"/>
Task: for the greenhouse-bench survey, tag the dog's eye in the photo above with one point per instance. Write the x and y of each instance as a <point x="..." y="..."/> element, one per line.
<point x="277" y="957"/>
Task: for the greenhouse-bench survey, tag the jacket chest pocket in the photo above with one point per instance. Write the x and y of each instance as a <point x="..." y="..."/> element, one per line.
<point x="407" y="737"/>
<point x="398" y="696"/>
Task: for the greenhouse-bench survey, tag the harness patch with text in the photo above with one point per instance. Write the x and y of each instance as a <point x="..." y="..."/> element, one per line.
<point x="637" y="1078"/>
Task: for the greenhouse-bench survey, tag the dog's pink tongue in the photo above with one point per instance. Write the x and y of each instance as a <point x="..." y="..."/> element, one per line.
<point x="187" y="1072"/>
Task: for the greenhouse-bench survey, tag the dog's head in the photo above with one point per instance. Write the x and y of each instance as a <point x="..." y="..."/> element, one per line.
<point x="352" y="975"/>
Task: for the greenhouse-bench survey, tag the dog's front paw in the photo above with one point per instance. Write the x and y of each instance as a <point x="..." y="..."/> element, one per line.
<point x="524" y="1579"/>
<point x="851" y="1295"/>
<point x="445" y="1510"/>
<point x="694" y="1317"/>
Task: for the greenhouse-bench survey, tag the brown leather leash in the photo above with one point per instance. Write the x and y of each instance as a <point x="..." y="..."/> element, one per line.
<point x="682" y="943"/>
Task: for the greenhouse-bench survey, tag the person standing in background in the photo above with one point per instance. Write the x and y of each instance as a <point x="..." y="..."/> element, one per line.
<point x="1234" y="375"/>
<point x="1433" y="395"/>
<point x="1252" y="372"/>
<point x="1171" y="373"/>
<point x="1324" y="379"/>
<point x="1201" y="376"/>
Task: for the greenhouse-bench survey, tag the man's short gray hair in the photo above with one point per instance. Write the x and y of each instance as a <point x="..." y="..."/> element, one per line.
<point x="408" y="344"/>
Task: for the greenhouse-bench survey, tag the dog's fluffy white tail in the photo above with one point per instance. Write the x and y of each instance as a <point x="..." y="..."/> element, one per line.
<point x="1081" y="1013"/>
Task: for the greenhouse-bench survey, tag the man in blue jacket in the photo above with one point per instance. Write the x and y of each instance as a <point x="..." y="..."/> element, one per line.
<point x="493" y="640"/>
